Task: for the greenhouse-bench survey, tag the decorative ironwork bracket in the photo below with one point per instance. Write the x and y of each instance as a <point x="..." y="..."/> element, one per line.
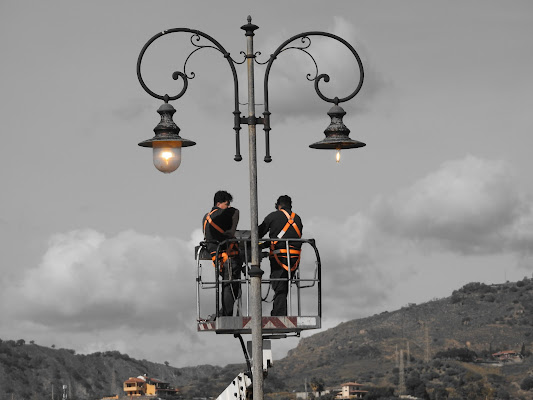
<point x="239" y="120"/>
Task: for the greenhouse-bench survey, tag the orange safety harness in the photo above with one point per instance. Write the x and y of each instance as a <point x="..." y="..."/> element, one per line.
<point x="293" y="252"/>
<point x="223" y="256"/>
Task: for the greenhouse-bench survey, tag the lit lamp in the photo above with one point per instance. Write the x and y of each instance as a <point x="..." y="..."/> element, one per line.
<point x="337" y="134"/>
<point x="167" y="142"/>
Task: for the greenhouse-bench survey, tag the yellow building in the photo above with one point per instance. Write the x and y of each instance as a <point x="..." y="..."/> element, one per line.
<point x="145" y="386"/>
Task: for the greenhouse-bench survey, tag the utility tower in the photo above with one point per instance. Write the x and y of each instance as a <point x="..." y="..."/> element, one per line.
<point x="426" y="352"/>
<point x="113" y="381"/>
<point x="401" y="382"/>
<point x="408" y="358"/>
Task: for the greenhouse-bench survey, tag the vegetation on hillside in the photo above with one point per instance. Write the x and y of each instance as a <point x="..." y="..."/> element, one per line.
<point x="447" y="346"/>
<point x="459" y="331"/>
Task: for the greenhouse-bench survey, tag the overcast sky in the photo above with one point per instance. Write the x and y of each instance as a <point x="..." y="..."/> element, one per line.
<point x="97" y="245"/>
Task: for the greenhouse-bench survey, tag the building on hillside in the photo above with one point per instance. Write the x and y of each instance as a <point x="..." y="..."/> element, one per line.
<point x="507" y="355"/>
<point x="145" y="386"/>
<point x="351" y="390"/>
<point x="309" y="395"/>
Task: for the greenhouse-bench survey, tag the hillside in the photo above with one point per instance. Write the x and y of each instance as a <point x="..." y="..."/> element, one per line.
<point x="482" y="318"/>
<point x="30" y="371"/>
<point x="477" y="318"/>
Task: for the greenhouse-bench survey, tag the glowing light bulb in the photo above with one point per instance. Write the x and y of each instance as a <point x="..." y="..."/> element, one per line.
<point x="338" y="156"/>
<point x="167" y="156"/>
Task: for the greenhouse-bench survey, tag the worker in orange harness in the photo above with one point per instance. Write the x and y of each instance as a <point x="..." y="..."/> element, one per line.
<point x="218" y="225"/>
<point x="282" y="223"/>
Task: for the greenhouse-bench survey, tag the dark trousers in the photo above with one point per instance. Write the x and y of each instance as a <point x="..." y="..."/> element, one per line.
<point x="280" y="287"/>
<point x="230" y="290"/>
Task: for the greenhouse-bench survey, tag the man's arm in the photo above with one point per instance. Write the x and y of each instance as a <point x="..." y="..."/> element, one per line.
<point x="265" y="225"/>
<point x="262" y="229"/>
<point x="204" y="231"/>
<point x="301" y="225"/>
<point x="234" y="222"/>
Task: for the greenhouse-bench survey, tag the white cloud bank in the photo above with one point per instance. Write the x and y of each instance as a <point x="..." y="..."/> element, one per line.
<point x="130" y="292"/>
<point x="469" y="206"/>
<point x="425" y="237"/>
<point x="101" y="282"/>
<point x="136" y="293"/>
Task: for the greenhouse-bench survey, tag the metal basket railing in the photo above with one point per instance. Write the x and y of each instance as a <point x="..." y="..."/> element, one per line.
<point x="306" y="276"/>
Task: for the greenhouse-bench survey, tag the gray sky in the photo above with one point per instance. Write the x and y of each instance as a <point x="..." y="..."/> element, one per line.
<point x="97" y="245"/>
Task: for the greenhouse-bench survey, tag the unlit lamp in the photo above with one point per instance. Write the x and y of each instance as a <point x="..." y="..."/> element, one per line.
<point x="337" y="134"/>
<point x="167" y="142"/>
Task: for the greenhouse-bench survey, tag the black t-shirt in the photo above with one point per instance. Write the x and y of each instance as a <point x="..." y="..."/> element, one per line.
<point x="275" y="222"/>
<point x="224" y="219"/>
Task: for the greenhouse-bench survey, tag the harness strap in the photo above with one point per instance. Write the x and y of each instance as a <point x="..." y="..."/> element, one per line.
<point x="290" y="221"/>
<point x="292" y="252"/>
<point x="208" y="219"/>
<point x="284" y="251"/>
<point x="223" y="256"/>
<point x="286" y="267"/>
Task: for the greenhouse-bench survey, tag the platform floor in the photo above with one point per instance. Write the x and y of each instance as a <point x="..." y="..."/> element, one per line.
<point x="242" y="325"/>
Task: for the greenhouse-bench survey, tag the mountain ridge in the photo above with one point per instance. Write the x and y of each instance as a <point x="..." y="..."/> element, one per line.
<point x="479" y="318"/>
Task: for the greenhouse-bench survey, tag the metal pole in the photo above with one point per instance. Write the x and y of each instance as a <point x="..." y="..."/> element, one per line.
<point x="289" y="280"/>
<point x="255" y="269"/>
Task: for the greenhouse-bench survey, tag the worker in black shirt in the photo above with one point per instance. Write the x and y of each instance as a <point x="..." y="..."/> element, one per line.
<point x="282" y="223"/>
<point x="218" y="225"/>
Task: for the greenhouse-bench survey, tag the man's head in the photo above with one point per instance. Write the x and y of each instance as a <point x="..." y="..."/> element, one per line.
<point x="284" y="202"/>
<point x="222" y="199"/>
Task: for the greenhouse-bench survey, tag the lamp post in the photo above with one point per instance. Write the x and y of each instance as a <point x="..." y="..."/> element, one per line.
<point x="167" y="142"/>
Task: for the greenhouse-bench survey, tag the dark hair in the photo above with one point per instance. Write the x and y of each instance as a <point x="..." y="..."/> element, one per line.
<point x="284" y="201"/>
<point x="221" y="197"/>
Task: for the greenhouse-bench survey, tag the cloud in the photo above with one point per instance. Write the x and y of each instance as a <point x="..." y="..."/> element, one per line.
<point x="361" y="266"/>
<point x="290" y="91"/>
<point x="89" y="282"/>
<point x="471" y="206"/>
<point x="95" y="293"/>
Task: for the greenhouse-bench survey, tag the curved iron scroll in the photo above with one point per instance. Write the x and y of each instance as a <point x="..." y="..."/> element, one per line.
<point x="306" y="43"/>
<point x="196" y="35"/>
<point x="306" y="38"/>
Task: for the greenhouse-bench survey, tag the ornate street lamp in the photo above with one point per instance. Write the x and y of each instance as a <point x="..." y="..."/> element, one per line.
<point x="167" y="143"/>
<point x="337" y="134"/>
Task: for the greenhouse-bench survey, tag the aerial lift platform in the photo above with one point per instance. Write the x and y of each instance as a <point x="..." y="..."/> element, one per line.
<point x="303" y="300"/>
<point x="304" y="306"/>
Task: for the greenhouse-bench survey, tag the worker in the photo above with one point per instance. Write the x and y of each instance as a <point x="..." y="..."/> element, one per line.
<point x="219" y="225"/>
<point x="282" y="223"/>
